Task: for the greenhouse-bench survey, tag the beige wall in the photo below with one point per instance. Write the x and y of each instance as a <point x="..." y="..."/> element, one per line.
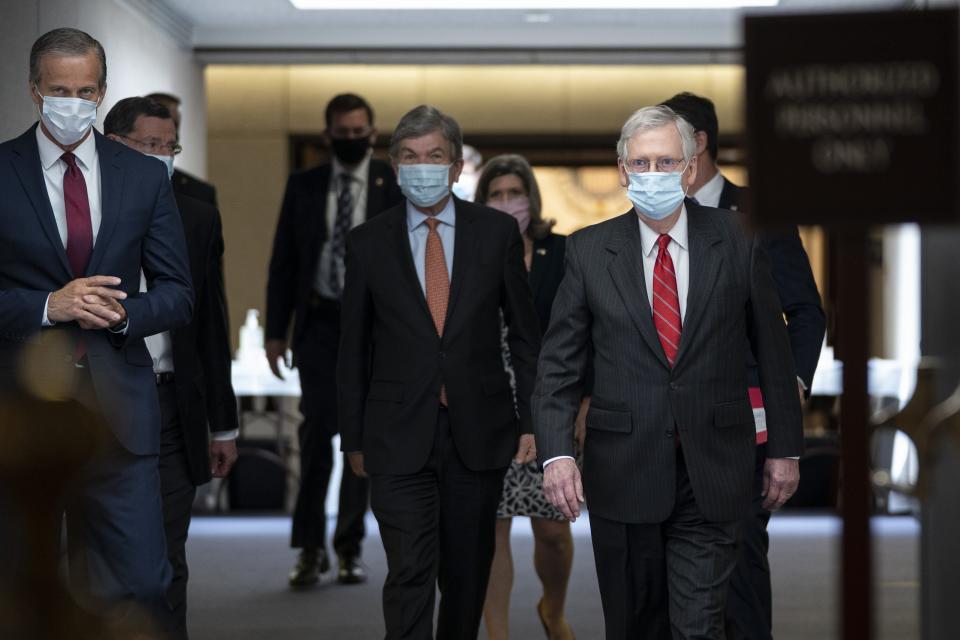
<point x="251" y="111"/>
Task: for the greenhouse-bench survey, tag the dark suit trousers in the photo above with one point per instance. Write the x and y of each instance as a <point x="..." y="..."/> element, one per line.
<point x="178" y="494"/>
<point x="117" y="551"/>
<point x="437" y="527"/>
<point x="665" y="580"/>
<point x="317" y="360"/>
<point x="749" y="604"/>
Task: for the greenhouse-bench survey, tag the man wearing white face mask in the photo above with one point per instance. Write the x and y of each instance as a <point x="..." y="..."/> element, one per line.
<point x="199" y="422"/>
<point x="80" y="216"/>
<point x="662" y="300"/>
<point x="426" y="408"/>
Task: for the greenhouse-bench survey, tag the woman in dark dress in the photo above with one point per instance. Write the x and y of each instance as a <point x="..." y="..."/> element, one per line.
<point x="507" y="183"/>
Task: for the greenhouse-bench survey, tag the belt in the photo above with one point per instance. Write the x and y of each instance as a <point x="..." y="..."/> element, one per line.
<point x="166" y="377"/>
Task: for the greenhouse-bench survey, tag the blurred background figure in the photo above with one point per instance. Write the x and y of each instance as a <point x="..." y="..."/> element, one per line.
<point x="466" y="186"/>
<point x="183" y="182"/>
<point x="507" y="183"/>
<point x="319" y="208"/>
<point x="199" y="422"/>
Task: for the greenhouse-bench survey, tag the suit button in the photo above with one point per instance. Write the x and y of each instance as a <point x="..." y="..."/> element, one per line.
<point x="668" y="433"/>
<point x="674" y="386"/>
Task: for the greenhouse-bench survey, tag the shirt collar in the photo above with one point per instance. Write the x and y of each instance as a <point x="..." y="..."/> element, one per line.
<point x="649" y="237"/>
<point x="86" y="153"/>
<point x="709" y="194"/>
<point x="359" y="173"/>
<point x="415" y="217"/>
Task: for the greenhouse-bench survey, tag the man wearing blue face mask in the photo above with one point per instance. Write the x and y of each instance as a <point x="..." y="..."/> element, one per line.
<point x="80" y="217"/>
<point x="666" y="295"/>
<point x="426" y="408"/>
<point x="199" y="422"/>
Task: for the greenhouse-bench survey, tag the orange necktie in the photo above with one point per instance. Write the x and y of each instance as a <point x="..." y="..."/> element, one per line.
<point x="438" y="284"/>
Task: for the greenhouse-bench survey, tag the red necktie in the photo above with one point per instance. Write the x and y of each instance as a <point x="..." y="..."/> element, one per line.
<point x="438" y="283"/>
<point x="79" y="227"/>
<point x="666" y="302"/>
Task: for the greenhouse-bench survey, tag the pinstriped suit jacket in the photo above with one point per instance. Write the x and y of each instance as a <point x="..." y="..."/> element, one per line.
<point x="638" y="401"/>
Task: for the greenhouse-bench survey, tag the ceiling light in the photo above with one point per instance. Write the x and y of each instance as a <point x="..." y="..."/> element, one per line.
<point x="526" y="5"/>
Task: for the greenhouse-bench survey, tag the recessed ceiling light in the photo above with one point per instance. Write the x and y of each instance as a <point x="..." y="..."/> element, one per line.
<point x="545" y="5"/>
<point x="538" y="17"/>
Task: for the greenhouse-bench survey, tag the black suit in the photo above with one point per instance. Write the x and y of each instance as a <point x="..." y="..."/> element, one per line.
<point x="663" y="513"/>
<point x="185" y="184"/>
<point x="436" y="473"/>
<point x="200" y="400"/>
<point x="749" y="603"/>
<point x="302" y="230"/>
<point x="546" y="272"/>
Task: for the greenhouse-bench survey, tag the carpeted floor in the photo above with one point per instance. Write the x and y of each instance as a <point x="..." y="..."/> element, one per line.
<point x="239" y="566"/>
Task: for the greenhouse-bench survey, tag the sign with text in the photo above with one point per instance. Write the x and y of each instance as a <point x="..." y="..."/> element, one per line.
<point x="852" y="118"/>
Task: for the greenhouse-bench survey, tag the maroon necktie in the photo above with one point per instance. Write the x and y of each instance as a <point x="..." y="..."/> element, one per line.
<point x="79" y="227"/>
<point x="666" y="302"/>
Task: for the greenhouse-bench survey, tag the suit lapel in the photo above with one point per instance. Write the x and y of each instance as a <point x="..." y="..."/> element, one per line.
<point x="111" y="194"/>
<point x="538" y="262"/>
<point x="27" y="165"/>
<point x="376" y="184"/>
<point x="465" y="241"/>
<point x="705" y="262"/>
<point x="400" y="238"/>
<point x="626" y="269"/>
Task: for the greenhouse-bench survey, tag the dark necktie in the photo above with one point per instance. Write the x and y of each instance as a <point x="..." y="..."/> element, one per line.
<point x="437" y="282"/>
<point x="341" y="227"/>
<point x="79" y="226"/>
<point x="666" y="302"/>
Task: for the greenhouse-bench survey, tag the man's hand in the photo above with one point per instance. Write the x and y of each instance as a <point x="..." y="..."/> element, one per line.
<point x="88" y="301"/>
<point x="780" y="479"/>
<point x="526" y="450"/>
<point x="276" y="350"/>
<point x="563" y="488"/>
<point x="356" y="463"/>
<point x="580" y="423"/>
<point x="223" y="453"/>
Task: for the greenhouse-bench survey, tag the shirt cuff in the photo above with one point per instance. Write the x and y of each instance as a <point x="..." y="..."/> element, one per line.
<point x="803" y="385"/>
<point x="557" y="458"/>
<point x="223" y="436"/>
<point x="120" y="329"/>
<point x="45" y="321"/>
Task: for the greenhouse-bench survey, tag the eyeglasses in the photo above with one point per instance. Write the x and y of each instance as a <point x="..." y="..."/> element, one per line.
<point x="660" y="164"/>
<point x="156" y="147"/>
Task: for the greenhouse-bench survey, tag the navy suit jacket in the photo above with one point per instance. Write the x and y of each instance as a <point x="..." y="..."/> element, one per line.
<point x="140" y="226"/>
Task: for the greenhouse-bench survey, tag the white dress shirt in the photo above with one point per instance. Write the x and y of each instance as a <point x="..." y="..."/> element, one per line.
<point x="53" y="170"/>
<point x="418" y="230"/>
<point x="709" y="193"/>
<point x="359" y="177"/>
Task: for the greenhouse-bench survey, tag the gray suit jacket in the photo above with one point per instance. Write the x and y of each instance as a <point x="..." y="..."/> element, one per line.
<point x="638" y="401"/>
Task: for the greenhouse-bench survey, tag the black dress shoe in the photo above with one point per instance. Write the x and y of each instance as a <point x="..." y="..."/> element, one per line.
<point x="310" y="564"/>
<point x="351" y="571"/>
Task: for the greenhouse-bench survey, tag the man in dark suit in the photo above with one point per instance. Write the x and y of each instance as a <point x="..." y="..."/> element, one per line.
<point x="183" y="182"/>
<point x="664" y="297"/>
<point x="192" y="364"/>
<point x="750" y="602"/>
<point x="80" y="217"/>
<point x="426" y="407"/>
<point x="306" y="280"/>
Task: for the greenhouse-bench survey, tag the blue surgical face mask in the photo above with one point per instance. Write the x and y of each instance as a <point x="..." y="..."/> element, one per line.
<point x="424" y="184"/>
<point x="167" y="162"/>
<point x="655" y="193"/>
<point x="67" y="119"/>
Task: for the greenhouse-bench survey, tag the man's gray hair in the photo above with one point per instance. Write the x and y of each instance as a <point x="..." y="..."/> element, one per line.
<point x="66" y="42"/>
<point x="424" y="120"/>
<point x="654" y="118"/>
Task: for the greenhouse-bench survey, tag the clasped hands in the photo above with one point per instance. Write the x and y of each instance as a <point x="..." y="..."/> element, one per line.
<point x="91" y="302"/>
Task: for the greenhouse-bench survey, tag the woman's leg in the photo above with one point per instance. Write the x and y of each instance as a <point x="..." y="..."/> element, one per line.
<point x="553" y="560"/>
<point x="496" y="609"/>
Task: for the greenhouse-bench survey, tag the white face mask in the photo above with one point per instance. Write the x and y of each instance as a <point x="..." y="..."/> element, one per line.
<point x="424" y="184"/>
<point x="67" y="119"/>
<point x="167" y="162"/>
